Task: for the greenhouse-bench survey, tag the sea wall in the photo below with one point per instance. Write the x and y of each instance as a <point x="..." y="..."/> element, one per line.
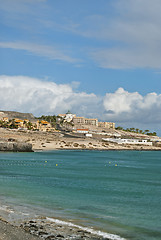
<point x="16" y="147"/>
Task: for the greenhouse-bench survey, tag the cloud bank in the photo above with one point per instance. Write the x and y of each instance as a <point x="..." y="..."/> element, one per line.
<point x="26" y="94"/>
<point x="133" y="107"/>
<point x="37" y="96"/>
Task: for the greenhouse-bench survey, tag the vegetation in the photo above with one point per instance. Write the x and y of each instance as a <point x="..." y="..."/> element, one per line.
<point x="137" y="130"/>
<point x="12" y="124"/>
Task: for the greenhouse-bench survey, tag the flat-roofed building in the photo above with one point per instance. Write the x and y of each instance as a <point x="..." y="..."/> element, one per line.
<point x="85" y="121"/>
<point x="79" y="120"/>
<point x="82" y="130"/>
<point x="109" y="125"/>
<point x="91" y="121"/>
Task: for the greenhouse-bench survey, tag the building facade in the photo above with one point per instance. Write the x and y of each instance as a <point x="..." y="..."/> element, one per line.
<point x="109" y="125"/>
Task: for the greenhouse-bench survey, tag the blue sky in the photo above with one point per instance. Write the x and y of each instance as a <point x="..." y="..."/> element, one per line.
<point x="97" y="58"/>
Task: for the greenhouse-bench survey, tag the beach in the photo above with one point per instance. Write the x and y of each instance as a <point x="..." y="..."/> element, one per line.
<point x="47" y="230"/>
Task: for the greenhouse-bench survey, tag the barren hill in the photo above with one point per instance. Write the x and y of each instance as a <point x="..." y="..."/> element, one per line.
<point x="13" y="114"/>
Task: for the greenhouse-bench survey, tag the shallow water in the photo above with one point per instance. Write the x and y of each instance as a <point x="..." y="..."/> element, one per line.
<point x="112" y="191"/>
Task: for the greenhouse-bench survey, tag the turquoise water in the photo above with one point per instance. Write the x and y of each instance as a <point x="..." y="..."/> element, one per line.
<point x="117" y="192"/>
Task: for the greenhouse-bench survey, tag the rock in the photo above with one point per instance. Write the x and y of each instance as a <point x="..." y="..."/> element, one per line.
<point x="15" y="147"/>
<point x="60" y="236"/>
<point x="43" y="233"/>
<point x="51" y="237"/>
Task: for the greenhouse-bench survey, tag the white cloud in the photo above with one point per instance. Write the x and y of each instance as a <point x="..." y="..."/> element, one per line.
<point x="28" y="94"/>
<point x="39" y="50"/>
<point x="38" y="96"/>
<point x="133" y="107"/>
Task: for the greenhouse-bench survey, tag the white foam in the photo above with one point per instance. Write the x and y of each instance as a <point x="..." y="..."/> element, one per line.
<point x="6" y="209"/>
<point x="98" y="233"/>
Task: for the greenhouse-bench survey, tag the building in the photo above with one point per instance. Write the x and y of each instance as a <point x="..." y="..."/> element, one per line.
<point x="82" y="130"/>
<point x="109" y="125"/>
<point x="128" y="141"/>
<point x="79" y="120"/>
<point x="91" y="121"/>
<point x="43" y="126"/>
<point x="19" y="122"/>
<point x="5" y="119"/>
<point x="85" y="121"/>
<point x="68" y="117"/>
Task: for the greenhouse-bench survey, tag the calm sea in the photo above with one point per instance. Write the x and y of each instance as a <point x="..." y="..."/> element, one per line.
<point x="116" y="192"/>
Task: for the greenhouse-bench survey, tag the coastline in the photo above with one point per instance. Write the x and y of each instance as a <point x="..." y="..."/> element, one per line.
<point x="41" y="141"/>
<point x="50" y="228"/>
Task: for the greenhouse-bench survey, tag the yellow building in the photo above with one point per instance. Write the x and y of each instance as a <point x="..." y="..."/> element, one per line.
<point x="44" y="126"/>
<point x="19" y="122"/>
<point x="85" y="121"/>
<point x="109" y="125"/>
<point x="5" y="119"/>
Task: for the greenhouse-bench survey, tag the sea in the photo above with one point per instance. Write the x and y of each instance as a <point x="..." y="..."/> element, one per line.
<point x="114" y="193"/>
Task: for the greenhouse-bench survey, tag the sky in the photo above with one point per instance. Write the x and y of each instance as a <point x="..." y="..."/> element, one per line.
<point x="98" y="59"/>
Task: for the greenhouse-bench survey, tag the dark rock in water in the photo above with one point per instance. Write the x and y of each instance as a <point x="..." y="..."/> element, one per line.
<point x="51" y="237"/>
<point x="32" y="221"/>
<point x="15" y="147"/>
<point x="43" y="233"/>
<point x="60" y="236"/>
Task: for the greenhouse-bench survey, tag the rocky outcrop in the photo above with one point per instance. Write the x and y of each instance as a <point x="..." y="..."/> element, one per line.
<point x="15" y="147"/>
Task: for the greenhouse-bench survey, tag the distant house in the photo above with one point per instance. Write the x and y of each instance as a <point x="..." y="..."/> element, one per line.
<point x="43" y="126"/>
<point x="82" y="130"/>
<point x="5" y="119"/>
<point x="19" y="122"/>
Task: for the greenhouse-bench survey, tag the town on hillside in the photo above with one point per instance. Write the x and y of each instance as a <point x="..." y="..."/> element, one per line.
<point x="71" y="126"/>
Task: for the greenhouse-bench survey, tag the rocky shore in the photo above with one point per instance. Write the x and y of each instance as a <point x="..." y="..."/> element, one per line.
<point x="16" y="147"/>
<point x="45" y="229"/>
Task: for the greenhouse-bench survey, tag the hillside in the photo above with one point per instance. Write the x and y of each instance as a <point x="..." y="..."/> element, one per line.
<point x="13" y="114"/>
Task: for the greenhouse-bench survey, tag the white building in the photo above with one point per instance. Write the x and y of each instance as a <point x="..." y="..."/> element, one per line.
<point x="68" y="117"/>
<point x="128" y="141"/>
<point x="82" y="130"/>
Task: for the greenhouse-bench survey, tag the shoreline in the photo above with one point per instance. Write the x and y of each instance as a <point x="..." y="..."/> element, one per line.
<point x="41" y="141"/>
<point x="50" y="228"/>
